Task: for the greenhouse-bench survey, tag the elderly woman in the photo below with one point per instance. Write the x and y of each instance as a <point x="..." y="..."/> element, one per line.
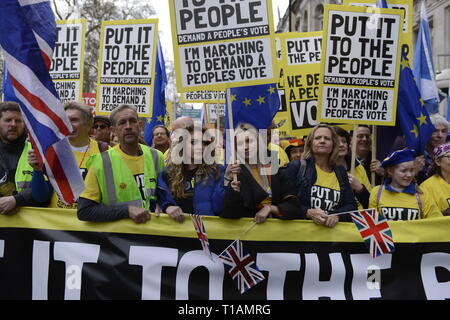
<point x="438" y="184"/>
<point x="260" y="192"/>
<point x="399" y="197"/>
<point x="322" y="185"/>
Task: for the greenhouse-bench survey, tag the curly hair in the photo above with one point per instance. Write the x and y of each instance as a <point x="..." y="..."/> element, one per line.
<point x="177" y="177"/>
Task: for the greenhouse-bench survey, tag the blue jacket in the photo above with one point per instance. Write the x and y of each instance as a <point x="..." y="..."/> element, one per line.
<point x="208" y="198"/>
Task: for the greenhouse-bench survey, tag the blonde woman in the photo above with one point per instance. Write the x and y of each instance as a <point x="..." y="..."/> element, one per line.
<point x="322" y="185"/>
<point x="189" y="186"/>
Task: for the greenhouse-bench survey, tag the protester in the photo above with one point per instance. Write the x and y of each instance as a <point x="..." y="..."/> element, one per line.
<point x="185" y="123"/>
<point x="399" y="197"/>
<point x="294" y="148"/>
<point x="273" y="145"/>
<point x="438" y="183"/>
<point x="161" y="138"/>
<point x="364" y="153"/>
<point x="15" y="172"/>
<point x="83" y="148"/>
<point x="102" y="129"/>
<point x="438" y="138"/>
<point x="358" y="181"/>
<point x="322" y="185"/>
<point x="191" y="185"/>
<point x="259" y="192"/>
<point x="121" y="182"/>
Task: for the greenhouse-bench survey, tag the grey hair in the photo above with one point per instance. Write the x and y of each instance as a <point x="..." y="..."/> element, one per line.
<point x="121" y="108"/>
<point x="438" y="120"/>
<point x="84" y="109"/>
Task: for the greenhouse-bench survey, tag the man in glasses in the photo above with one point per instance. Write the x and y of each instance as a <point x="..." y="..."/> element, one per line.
<point x="102" y="129"/>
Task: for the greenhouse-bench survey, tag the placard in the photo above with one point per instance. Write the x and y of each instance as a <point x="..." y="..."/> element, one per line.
<point x="220" y="44"/>
<point x="203" y="96"/>
<point x="405" y="5"/>
<point x="67" y="65"/>
<point x="360" y="65"/>
<point x="127" y="65"/>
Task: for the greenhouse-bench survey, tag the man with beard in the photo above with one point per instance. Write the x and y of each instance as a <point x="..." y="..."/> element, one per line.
<point x="121" y="183"/>
<point x="15" y="172"/>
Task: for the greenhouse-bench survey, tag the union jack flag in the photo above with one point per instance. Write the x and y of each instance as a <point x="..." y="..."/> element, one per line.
<point x="375" y="231"/>
<point x="201" y="233"/>
<point x="27" y="37"/>
<point x="241" y="266"/>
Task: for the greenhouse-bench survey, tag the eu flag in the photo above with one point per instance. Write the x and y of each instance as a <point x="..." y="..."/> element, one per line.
<point x="159" y="97"/>
<point x="411" y="112"/>
<point x="256" y="105"/>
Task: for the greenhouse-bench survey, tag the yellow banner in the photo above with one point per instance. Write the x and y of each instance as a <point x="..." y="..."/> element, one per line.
<point x="427" y="230"/>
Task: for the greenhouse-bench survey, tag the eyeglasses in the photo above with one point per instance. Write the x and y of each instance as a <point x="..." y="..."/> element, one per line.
<point x="99" y="126"/>
<point x="159" y="134"/>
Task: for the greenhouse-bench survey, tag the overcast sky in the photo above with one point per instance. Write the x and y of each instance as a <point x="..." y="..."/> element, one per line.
<point x="162" y="13"/>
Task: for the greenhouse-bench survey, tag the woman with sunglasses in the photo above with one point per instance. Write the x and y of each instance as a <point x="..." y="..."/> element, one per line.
<point x="259" y="192"/>
<point x="438" y="183"/>
<point x="191" y="183"/>
<point x="399" y="197"/>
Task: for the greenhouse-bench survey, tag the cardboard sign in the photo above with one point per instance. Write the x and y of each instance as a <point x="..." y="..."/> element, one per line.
<point x="67" y="65"/>
<point x="220" y="44"/>
<point x="360" y="65"/>
<point x="407" y="7"/>
<point x="126" y="65"/>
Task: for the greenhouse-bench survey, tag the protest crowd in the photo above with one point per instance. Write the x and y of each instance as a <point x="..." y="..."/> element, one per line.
<point x="177" y="175"/>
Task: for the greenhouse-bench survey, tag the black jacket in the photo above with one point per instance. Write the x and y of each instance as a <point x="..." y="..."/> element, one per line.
<point x="244" y="203"/>
<point x="305" y="179"/>
<point x="9" y="158"/>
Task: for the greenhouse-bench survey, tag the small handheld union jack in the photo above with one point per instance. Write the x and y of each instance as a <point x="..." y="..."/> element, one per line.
<point x="201" y="233"/>
<point x="241" y="266"/>
<point x="375" y="231"/>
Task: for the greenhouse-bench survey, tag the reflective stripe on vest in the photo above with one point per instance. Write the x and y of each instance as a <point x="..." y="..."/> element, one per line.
<point x="24" y="171"/>
<point x="149" y="172"/>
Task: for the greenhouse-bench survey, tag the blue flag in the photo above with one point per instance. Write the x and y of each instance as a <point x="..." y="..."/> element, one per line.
<point x="256" y="105"/>
<point x="423" y="68"/>
<point x="159" y="97"/>
<point x="412" y="114"/>
<point x="382" y="4"/>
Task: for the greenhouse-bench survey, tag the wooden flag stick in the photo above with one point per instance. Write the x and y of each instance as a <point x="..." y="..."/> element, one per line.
<point x="374" y="153"/>
<point x="352" y="164"/>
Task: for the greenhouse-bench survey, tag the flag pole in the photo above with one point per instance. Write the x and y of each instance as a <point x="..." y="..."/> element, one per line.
<point x="374" y="152"/>
<point x="241" y="235"/>
<point x="231" y="128"/>
<point x="337" y="214"/>
<point x="352" y="164"/>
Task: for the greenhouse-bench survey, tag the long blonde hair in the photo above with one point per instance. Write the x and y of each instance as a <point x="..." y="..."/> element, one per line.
<point x="177" y="177"/>
<point x="176" y="173"/>
<point x="334" y="156"/>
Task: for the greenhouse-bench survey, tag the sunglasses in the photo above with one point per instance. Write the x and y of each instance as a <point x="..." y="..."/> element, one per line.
<point x="99" y="126"/>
